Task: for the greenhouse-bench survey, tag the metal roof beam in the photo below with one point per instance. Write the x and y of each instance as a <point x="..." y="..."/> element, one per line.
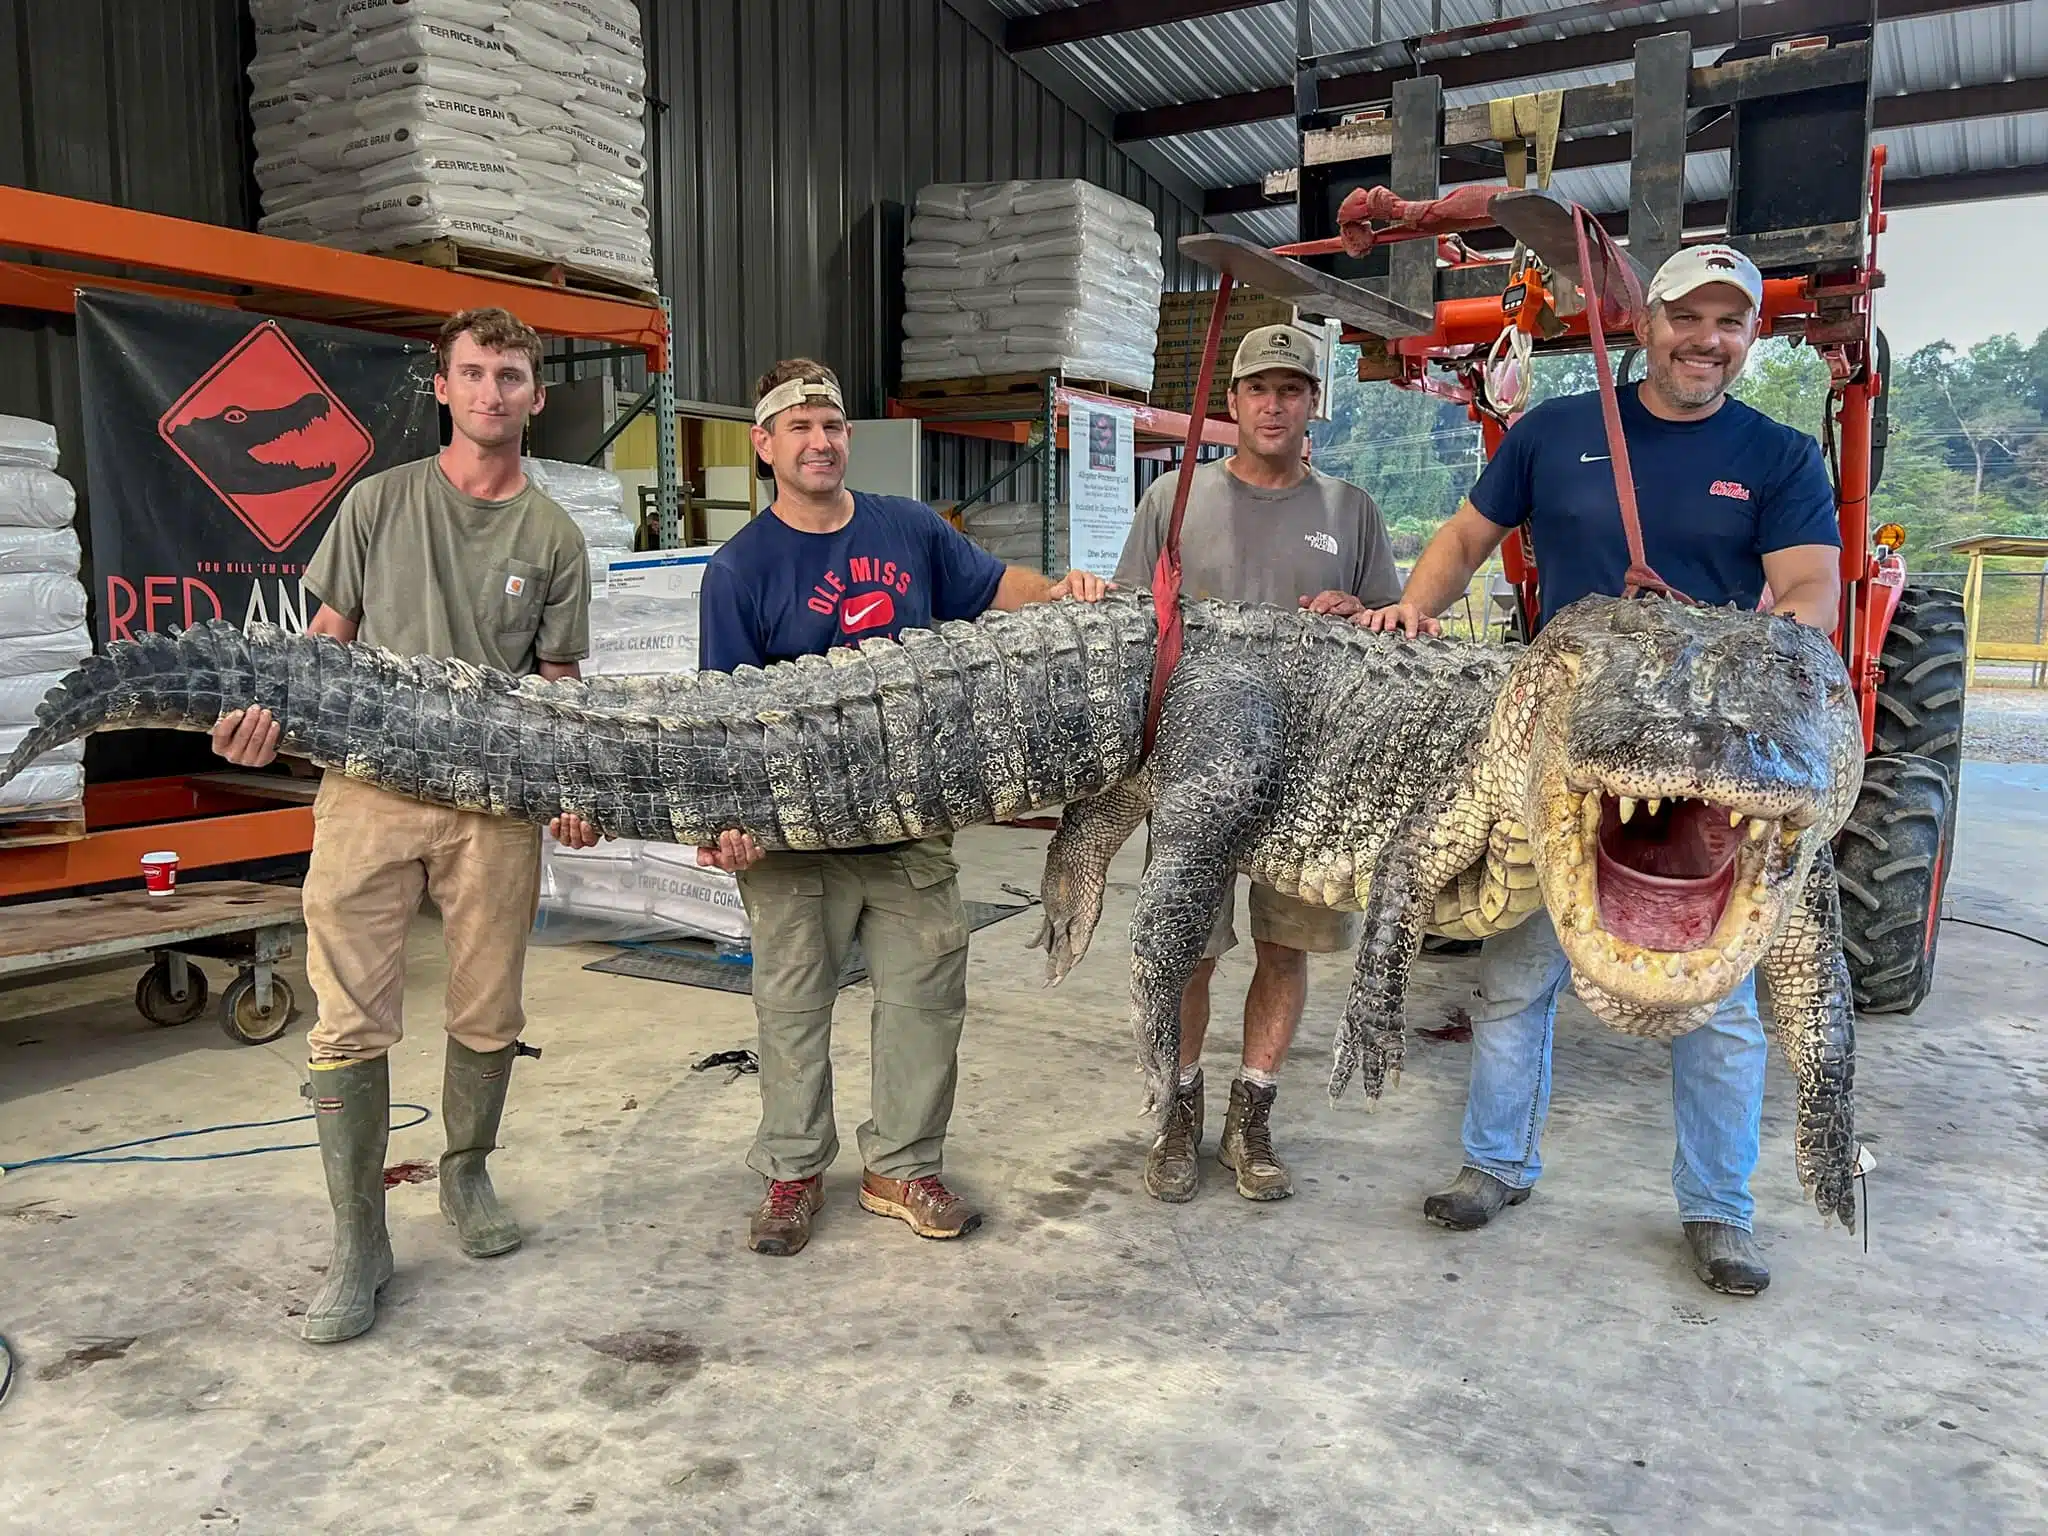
<point x="1527" y="61"/>
<point x="1106" y="18"/>
<point x="1069" y="88"/>
<point x="1919" y="109"/>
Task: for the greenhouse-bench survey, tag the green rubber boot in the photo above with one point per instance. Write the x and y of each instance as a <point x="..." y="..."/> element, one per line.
<point x="352" y="1111"/>
<point x="472" y="1100"/>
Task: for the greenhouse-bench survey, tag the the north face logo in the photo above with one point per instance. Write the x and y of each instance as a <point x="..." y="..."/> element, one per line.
<point x="1735" y="490"/>
<point x="268" y="436"/>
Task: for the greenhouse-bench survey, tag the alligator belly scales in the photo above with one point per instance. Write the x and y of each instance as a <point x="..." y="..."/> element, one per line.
<point x="1662" y="781"/>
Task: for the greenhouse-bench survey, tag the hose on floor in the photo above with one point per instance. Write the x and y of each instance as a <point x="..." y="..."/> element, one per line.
<point x="97" y="1155"/>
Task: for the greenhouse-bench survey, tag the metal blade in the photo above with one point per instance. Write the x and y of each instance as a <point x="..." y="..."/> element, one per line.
<point x="1318" y="293"/>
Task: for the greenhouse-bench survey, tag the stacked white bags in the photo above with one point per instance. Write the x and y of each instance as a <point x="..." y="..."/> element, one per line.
<point x="42" y="612"/>
<point x="1013" y="531"/>
<point x="1029" y="277"/>
<point x="595" y="500"/>
<point x="627" y="890"/>
<point x="510" y="125"/>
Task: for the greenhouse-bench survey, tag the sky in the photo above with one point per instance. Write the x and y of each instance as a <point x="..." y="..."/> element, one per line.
<point x="1963" y="273"/>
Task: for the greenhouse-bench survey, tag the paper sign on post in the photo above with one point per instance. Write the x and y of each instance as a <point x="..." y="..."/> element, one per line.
<point x="1101" y="470"/>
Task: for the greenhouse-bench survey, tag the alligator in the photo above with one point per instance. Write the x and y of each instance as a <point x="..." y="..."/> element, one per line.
<point x="223" y="446"/>
<point x="1664" y="779"/>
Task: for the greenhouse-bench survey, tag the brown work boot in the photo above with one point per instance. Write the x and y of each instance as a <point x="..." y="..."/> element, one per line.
<point x="930" y="1209"/>
<point x="1173" y="1168"/>
<point x="1247" y="1145"/>
<point x="782" y="1222"/>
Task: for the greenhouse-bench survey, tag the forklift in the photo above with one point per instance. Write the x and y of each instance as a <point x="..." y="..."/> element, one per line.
<point x="1406" y="270"/>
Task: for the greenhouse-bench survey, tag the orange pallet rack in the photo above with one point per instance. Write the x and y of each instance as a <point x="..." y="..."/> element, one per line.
<point x="219" y="823"/>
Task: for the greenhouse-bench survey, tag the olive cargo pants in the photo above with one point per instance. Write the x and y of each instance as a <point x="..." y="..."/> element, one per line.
<point x="374" y="855"/>
<point x="903" y="904"/>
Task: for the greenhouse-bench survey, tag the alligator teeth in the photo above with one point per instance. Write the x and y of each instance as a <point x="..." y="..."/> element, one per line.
<point x="1674" y="966"/>
<point x="1735" y="818"/>
<point x="1628" y="807"/>
<point x="1655" y="806"/>
<point x="1789" y="838"/>
<point x="1584" y="921"/>
<point x="1757" y="828"/>
<point x="1640" y="964"/>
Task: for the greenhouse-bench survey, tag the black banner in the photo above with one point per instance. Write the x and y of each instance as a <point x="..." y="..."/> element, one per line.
<point x="218" y="447"/>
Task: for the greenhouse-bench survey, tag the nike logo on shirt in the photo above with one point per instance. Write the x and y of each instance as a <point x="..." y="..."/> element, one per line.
<point x="1594" y="458"/>
<point x="878" y="609"/>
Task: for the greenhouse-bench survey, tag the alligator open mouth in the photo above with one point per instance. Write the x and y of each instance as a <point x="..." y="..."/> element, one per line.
<point x="1677" y="887"/>
<point x="1665" y="869"/>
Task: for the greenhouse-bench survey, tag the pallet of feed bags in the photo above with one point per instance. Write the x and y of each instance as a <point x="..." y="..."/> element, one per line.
<point x="595" y="500"/>
<point x="512" y="128"/>
<point x="42" y="628"/>
<point x="1030" y="277"/>
<point x="643" y="619"/>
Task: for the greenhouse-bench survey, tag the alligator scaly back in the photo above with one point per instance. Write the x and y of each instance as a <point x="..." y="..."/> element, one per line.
<point x="899" y="738"/>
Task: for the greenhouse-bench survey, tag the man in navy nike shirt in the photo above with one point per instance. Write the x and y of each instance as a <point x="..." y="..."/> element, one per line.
<point x="826" y="567"/>
<point x="1730" y="502"/>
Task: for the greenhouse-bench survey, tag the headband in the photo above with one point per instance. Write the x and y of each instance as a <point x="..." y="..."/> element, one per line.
<point x="796" y="392"/>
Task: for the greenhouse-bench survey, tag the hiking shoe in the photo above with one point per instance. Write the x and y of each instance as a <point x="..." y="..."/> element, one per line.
<point x="781" y="1224"/>
<point x="1247" y="1146"/>
<point x="925" y="1204"/>
<point x="1474" y="1198"/>
<point x="1173" y="1168"/>
<point x="1726" y="1258"/>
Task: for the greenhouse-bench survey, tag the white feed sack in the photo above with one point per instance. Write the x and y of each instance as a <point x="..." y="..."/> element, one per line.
<point x="595" y="500"/>
<point x="42" y="610"/>
<point x="517" y="126"/>
<point x="1031" y="276"/>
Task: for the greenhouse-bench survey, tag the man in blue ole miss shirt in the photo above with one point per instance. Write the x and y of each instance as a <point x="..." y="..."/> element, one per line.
<point x="826" y="567"/>
<point x="1730" y="502"/>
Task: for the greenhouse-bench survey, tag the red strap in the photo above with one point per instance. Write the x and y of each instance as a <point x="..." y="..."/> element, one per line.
<point x="1640" y="577"/>
<point x="1166" y="574"/>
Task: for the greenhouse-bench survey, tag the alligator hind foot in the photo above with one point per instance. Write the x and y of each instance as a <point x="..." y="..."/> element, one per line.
<point x="1077" y="873"/>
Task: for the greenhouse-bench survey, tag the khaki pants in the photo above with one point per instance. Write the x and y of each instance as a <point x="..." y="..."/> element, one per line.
<point x="1278" y="919"/>
<point x="904" y="907"/>
<point x="374" y="855"/>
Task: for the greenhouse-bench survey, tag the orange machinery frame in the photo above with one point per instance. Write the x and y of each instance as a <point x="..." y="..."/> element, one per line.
<point x="217" y="825"/>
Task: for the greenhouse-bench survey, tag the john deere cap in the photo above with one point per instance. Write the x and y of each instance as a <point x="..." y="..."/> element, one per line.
<point x="1277" y="346"/>
<point x="1698" y="265"/>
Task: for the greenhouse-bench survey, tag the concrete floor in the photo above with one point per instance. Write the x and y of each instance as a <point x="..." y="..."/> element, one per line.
<point x="1091" y="1361"/>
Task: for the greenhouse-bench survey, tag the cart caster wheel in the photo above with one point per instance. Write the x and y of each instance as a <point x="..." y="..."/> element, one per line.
<point x="153" y="998"/>
<point x="244" y="1021"/>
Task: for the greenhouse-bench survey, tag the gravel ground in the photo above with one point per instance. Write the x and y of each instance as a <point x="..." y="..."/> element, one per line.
<point x="2006" y="725"/>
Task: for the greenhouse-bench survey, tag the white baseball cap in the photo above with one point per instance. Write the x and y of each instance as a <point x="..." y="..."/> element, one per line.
<point x="1277" y="346"/>
<point x="1698" y="265"/>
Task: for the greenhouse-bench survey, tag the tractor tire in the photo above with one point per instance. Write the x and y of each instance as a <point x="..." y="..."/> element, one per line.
<point x="1891" y="865"/>
<point x="1920" y="701"/>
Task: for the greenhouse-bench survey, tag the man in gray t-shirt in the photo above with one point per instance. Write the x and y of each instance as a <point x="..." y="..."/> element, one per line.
<point x="1261" y="526"/>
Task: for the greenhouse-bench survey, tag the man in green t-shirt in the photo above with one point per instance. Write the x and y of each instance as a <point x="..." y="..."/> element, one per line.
<point x="455" y="556"/>
<point x="1261" y="526"/>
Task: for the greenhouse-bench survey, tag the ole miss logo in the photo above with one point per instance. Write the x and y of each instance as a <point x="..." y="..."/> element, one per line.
<point x="1734" y="490"/>
<point x="861" y="612"/>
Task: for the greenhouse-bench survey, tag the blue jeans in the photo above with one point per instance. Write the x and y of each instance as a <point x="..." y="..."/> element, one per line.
<point x="1717" y="1079"/>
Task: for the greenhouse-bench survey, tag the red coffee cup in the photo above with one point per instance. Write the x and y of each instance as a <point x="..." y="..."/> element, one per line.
<point x="160" y="873"/>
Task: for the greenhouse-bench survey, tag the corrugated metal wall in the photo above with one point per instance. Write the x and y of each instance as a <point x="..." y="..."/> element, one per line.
<point x="789" y="127"/>
<point x="133" y="102"/>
